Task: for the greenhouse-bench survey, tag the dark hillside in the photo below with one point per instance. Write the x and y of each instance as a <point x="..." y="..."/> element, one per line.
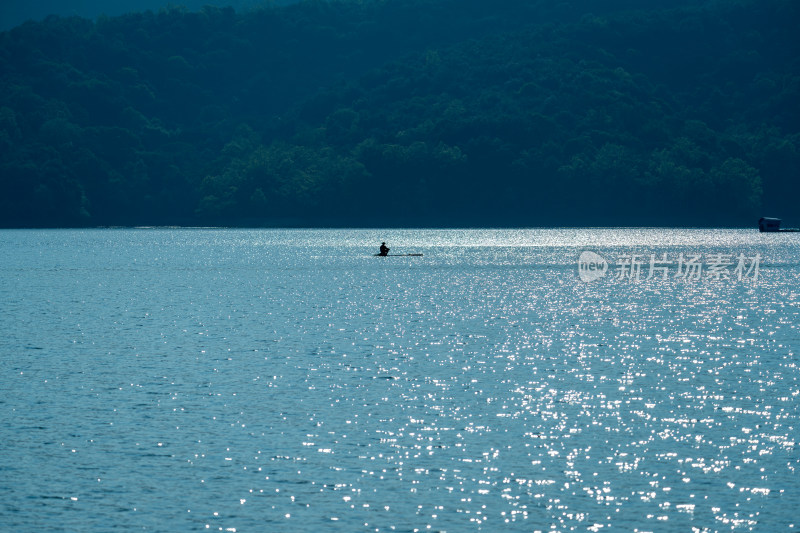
<point x="405" y="112"/>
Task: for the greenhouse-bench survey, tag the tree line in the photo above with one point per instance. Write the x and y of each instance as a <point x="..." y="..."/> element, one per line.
<point x="404" y="112"/>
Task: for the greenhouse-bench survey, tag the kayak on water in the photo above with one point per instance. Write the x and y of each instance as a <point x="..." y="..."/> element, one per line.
<point x="385" y="253"/>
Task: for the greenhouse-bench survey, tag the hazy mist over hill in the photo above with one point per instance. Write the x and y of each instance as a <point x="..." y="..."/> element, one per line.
<point x="15" y="12"/>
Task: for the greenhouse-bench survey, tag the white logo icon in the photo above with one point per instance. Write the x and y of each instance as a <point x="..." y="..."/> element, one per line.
<point x="591" y="266"/>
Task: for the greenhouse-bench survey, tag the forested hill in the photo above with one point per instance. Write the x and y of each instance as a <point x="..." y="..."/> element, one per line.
<point x="406" y="112"/>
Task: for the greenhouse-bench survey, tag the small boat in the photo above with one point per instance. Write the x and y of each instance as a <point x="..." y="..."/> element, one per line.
<point x="772" y="225"/>
<point x="397" y="255"/>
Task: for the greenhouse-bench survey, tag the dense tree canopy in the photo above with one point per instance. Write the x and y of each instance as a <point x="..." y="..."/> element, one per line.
<point x="405" y="112"/>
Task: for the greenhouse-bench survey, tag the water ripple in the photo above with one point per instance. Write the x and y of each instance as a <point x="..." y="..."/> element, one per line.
<point x="240" y="380"/>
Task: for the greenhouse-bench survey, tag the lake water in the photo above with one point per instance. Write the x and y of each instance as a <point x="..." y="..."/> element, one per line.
<point x="287" y="380"/>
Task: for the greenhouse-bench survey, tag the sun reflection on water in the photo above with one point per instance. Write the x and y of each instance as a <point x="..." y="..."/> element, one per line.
<point x="288" y="380"/>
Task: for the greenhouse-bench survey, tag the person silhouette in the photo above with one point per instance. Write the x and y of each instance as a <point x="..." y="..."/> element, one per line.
<point x="384" y="249"/>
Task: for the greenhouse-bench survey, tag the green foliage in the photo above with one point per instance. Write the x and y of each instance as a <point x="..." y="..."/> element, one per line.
<point x="279" y="182"/>
<point x="414" y="112"/>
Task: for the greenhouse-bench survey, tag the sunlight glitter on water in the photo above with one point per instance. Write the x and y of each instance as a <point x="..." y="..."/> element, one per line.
<point x="289" y="380"/>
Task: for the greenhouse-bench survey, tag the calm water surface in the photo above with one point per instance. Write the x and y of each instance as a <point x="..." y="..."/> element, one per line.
<point x="252" y="380"/>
